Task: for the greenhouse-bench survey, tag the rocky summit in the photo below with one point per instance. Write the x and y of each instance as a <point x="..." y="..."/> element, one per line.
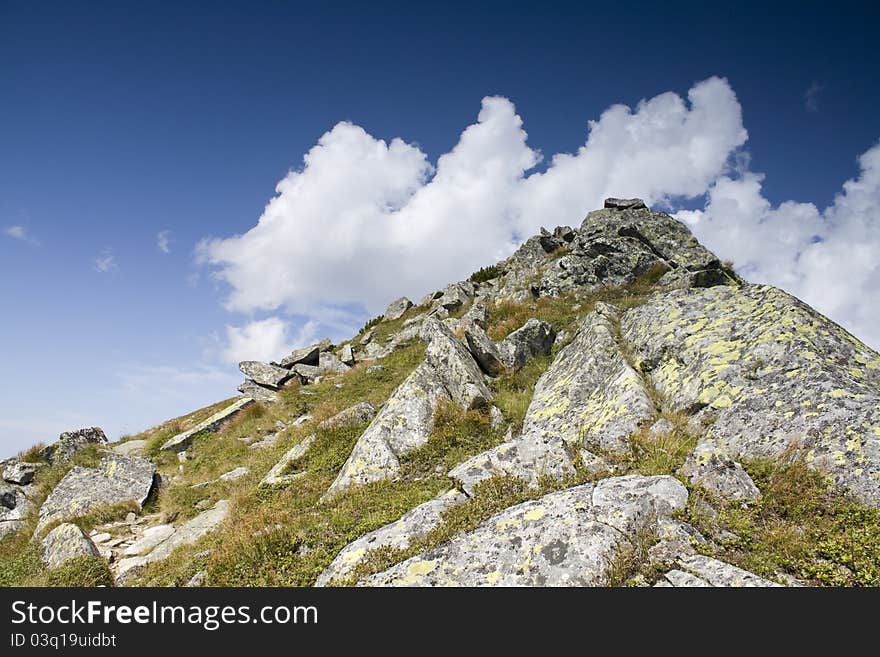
<point x="610" y="405"/>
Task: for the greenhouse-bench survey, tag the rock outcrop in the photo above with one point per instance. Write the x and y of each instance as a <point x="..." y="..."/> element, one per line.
<point x="184" y="439"/>
<point x="67" y="541"/>
<point x="70" y="442"/>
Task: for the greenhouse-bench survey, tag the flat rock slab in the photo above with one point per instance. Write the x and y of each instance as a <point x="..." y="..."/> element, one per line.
<point x="278" y="475"/>
<point x="567" y="538"/>
<point x="306" y="356"/>
<point x="398" y="535"/>
<point x="702" y="571"/>
<point x="149" y="539"/>
<point x="183" y="440"/>
<point x="66" y="542"/>
<point x="186" y="534"/>
<point x="117" y="479"/>
<point x="265" y="375"/>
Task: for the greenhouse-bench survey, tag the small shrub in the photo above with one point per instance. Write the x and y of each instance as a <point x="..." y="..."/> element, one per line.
<point x="485" y="274"/>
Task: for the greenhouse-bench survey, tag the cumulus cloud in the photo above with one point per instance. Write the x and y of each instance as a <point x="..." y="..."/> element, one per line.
<point x="364" y="220"/>
<point x="826" y="257"/>
<point x="163" y="241"/>
<point x="266" y="339"/>
<point x="811" y="97"/>
<point x="19" y="233"/>
<point x="105" y="261"/>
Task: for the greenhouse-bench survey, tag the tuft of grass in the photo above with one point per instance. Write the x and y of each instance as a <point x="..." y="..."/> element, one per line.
<point x="801" y="526"/>
<point x="513" y="391"/>
<point x="32" y="454"/>
<point x="27" y="569"/>
<point x="631" y="558"/>
<point x="658" y="454"/>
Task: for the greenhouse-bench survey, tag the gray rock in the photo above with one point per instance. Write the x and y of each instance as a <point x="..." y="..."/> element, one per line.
<point x="66" y="542"/>
<point x="403" y="424"/>
<point x="413" y="524"/>
<point x="130" y="447"/>
<point x="699" y="570"/>
<point x="625" y="204"/>
<point x="198" y="579"/>
<point x="278" y="475"/>
<point x="561" y="539"/>
<point x="484" y="350"/>
<point x="477" y="314"/>
<point x="429" y="298"/>
<point x="149" y="539"/>
<point x="366" y="337"/>
<point x="116" y="480"/>
<point x="346" y="355"/>
<point x="20" y="472"/>
<point x="184" y="439"/>
<point x="456" y="295"/>
<point x="235" y="474"/>
<point x="329" y="362"/>
<point x="15" y="508"/>
<point x="263" y="374"/>
<point x="496" y="417"/>
<point x="306" y="373"/>
<point x="70" y="442"/>
<point x="454" y="365"/>
<point x="361" y="412"/>
<point x="305" y="356"/>
<point x="186" y="534"/>
<point x="396" y="308"/>
<point x="259" y="393"/>
<point x="711" y="468"/>
<point x="534" y="338"/>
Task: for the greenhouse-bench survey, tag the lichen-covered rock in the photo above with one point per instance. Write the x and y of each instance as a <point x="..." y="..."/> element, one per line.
<point x="265" y="375"/>
<point x="346" y="355"/>
<point x="477" y="314"/>
<point x="329" y="362"/>
<point x="117" y="479"/>
<point x="259" y="393"/>
<point x="186" y="534"/>
<point x="534" y="338"/>
<point x="305" y="355"/>
<point x="711" y="468"/>
<point x="403" y="424"/>
<point x="699" y="570"/>
<point x="567" y="538"/>
<point x="413" y="524"/>
<point x="396" y="308"/>
<point x="454" y="365"/>
<point x="278" y="475"/>
<point x="66" y="542"/>
<point x="766" y="373"/>
<point x="184" y="439"/>
<point x="70" y="442"/>
<point x="590" y="395"/>
<point x="20" y="472"/>
<point x="484" y="350"/>
<point x="456" y="295"/>
<point x="131" y="447"/>
<point x="361" y="412"/>
<point x="15" y="507"/>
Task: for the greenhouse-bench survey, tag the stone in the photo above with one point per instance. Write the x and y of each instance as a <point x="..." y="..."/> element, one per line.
<point x="375" y="369"/>
<point x="263" y="374"/>
<point x="184" y="439"/>
<point x="357" y="414"/>
<point x="66" y="542"/>
<point x="455" y="296"/>
<point x="454" y="365"/>
<point x="278" y="475"/>
<point x="15" y="508"/>
<point x="346" y="355"/>
<point x="116" y="480"/>
<point x="366" y="337"/>
<point x="235" y="474"/>
<point x="534" y="338"/>
<point x="130" y="447"/>
<point x="567" y="538"/>
<point x="661" y="427"/>
<point x="20" y="472"/>
<point x="711" y="468"/>
<point x="477" y="314"/>
<point x="305" y="356"/>
<point x="329" y="362"/>
<point x="150" y="538"/>
<point x="186" y="534"/>
<point x="396" y="308"/>
<point x="413" y="524"/>
<point x="484" y="350"/>
<point x="625" y="204"/>
<point x="496" y="417"/>
<point x="70" y="442"/>
<point x="306" y="373"/>
<point x="403" y="424"/>
<point x="700" y="570"/>
<point x="259" y="393"/>
<point x="198" y="579"/>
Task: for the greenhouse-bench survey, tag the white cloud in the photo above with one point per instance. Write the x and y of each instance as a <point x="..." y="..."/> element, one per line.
<point x="105" y="261"/>
<point x="266" y="339"/>
<point x="20" y="233"/>
<point x="364" y="221"/>
<point x="827" y="258"/>
<point x="811" y="97"/>
<point x="163" y="241"/>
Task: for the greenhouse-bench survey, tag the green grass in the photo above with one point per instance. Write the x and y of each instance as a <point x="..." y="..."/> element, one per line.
<point x="802" y="526"/>
<point x="485" y="274"/>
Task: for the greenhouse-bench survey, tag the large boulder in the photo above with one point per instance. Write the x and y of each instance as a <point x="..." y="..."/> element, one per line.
<point x="306" y="356"/>
<point x="70" y="442"/>
<point x="259" y="393"/>
<point x="396" y="308"/>
<point x="20" y="473"/>
<point x="66" y="542"/>
<point x="15" y="507"/>
<point x="265" y="375"/>
<point x="116" y="480"/>
<point x="184" y="439"/>
<point x="454" y="365"/>
<point x="455" y="296"/>
<point x="361" y="412"/>
<point x="534" y="338"/>
<point x="484" y="350"/>
<point x="568" y="538"/>
<point x="330" y="362"/>
<point x="712" y="469"/>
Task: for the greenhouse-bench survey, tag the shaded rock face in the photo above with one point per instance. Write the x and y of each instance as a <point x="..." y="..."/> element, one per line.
<point x="259" y="393"/>
<point x="766" y="373"/>
<point x="454" y="365"/>
<point x="567" y="538"/>
<point x="66" y="542"/>
<point x="534" y="338"/>
<point x="70" y="442"/>
<point x="484" y="350"/>
<point x="116" y="480"/>
<point x="263" y="374"/>
<point x="306" y="356"/>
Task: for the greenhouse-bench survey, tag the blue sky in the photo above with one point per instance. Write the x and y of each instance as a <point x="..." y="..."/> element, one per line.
<point x="121" y="121"/>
